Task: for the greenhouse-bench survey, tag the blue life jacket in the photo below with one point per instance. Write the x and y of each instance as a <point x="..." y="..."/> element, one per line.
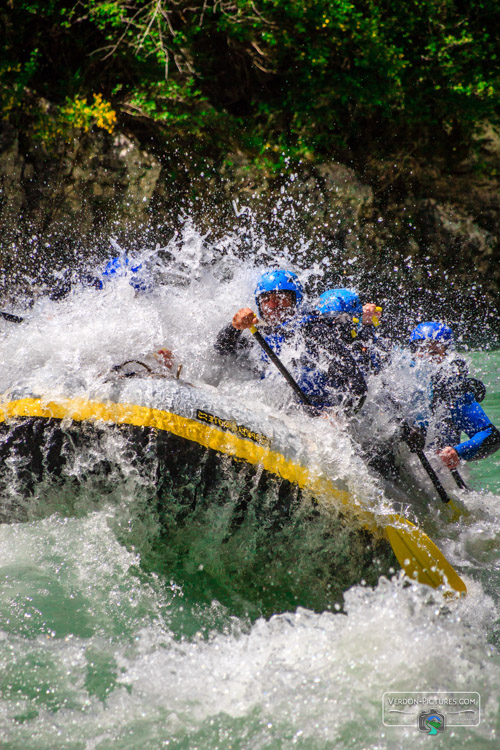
<point x="276" y="336"/>
<point x="325" y="369"/>
<point x="311" y="381"/>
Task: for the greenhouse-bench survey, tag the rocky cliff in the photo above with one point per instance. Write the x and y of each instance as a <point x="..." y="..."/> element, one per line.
<point x="384" y="225"/>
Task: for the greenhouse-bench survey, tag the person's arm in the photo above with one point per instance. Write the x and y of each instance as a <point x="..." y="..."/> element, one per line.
<point x="484" y="438"/>
<point x="480" y="445"/>
<point x="230" y="340"/>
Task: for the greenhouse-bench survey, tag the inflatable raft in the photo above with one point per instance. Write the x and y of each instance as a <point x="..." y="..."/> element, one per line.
<point x="193" y="440"/>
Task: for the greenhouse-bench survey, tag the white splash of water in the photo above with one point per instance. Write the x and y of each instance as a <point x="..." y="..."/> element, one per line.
<point x="298" y="680"/>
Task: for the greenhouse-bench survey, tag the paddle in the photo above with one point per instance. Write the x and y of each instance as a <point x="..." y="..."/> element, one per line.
<point x="420" y="558"/>
<point x="279" y="364"/>
<point x="458" y="479"/>
<point x="415" y="443"/>
<point x="412" y="441"/>
<point x="10" y="317"/>
<point x="416" y="553"/>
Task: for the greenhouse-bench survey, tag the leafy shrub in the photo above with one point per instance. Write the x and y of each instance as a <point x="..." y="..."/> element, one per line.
<point x="307" y="76"/>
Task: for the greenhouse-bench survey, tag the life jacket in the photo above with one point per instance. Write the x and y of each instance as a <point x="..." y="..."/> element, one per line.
<point x="324" y="341"/>
<point x="276" y="336"/>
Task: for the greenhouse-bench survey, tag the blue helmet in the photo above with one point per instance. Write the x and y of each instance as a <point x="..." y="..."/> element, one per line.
<point x="340" y="300"/>
<point x="279" y="281"/>
<point x="432" y="331"/>
<point x="121" y="266"/>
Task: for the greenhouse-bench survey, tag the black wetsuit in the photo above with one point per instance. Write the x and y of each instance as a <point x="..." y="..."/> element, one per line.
<point x="231" y="342"/>
<point x="371" y="349"/>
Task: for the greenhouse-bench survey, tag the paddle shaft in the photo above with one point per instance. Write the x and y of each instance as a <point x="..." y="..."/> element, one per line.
<point x="422" y="457"/>
<point x="433" y="476"/>
<point x="10" y="317"/>
<point x="279" y="364"/>
<point x="430" y="471"/>
<point x="458" y="479"/>
<point x="418" y="450"/>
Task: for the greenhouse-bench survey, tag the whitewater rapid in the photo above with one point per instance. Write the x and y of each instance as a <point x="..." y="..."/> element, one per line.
<point x="103" y="647"/>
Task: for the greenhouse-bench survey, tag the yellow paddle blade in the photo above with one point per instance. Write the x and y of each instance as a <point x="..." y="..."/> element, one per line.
<point x="457" y="512"/>
<point x="419" y="557"/>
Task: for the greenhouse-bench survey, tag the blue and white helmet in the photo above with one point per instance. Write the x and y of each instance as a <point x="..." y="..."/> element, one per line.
<point x="121" y="266"/>
<point x="279" y="281"/>
<point x="341" y="301"/>
<point x="432" y="331"/>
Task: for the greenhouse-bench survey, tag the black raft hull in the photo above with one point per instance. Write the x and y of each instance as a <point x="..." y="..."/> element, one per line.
<point x="208" y="469"/>
<point x="167" y="431"/>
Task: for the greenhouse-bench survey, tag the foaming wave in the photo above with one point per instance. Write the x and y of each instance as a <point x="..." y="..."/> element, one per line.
<point x="296" y="680"/>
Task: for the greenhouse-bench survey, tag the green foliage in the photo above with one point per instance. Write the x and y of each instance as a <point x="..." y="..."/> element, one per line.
<point x="14" y="77"/>
<point x="274" y="76"/>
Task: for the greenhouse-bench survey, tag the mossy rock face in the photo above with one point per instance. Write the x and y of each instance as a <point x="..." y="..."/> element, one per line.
<point x="381" y="226"/>
<point x="74" y="188"/>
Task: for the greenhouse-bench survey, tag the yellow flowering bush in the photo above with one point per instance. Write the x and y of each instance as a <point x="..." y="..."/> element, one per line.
<point x="79" y="114"/>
